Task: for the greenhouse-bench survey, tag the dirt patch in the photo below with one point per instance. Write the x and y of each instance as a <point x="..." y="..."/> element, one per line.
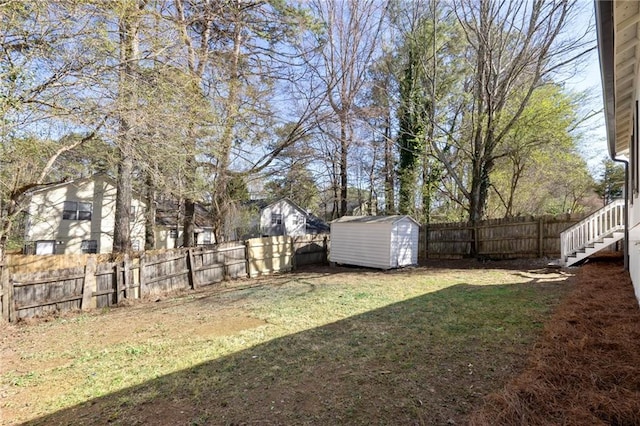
<point x="126" y="324"/>
<point x="586" y="367"/>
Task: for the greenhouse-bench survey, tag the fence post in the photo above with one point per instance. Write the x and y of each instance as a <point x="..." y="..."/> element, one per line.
<point x="293" y="253"/>
<point x="118" y="282"/>
<point x="476" y="238"/>
<point x="141" y="275"/>
<point x="246" y="256"/>
<point x="426" y="242"/>
<point x="7" y="294"/>
<point x="126" y="278"/>
<point x="290" y="250"/>
<point x="541" y="237"/>
<point x="12" y="293"/>
<point x="225" y="265"/>
<point x="89" y="285"/>
<point x="191" y="266"/>
<point x="325" y="250"/>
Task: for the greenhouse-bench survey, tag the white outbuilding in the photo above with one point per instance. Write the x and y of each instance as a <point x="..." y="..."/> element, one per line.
<point x="383" y="242"/>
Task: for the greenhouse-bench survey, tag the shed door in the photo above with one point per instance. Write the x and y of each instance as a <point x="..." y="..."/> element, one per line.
<point x="404" y="243"/>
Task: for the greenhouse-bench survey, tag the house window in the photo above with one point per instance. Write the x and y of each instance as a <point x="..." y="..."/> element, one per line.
<point x="132" y="214"/>
<point x="135" y="245"/>
<point x="173" y="233"/>
<point x="206" y="237"/>
<point x="276" y="219"/>
<point x="46" y="247"/>
<point x="89" y="246"/>
<point x="74" y="210"/>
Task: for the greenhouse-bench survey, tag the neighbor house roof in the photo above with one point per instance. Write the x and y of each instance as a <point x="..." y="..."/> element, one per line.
<point x="618" y="37"/>
<point x="259" y="203"/>
<point x="76" y="182"/>
<point x="297" y="207"/>
<point x="374" y="219"/>
<point x="170" y="214"/>
<point x="314" y="223"/>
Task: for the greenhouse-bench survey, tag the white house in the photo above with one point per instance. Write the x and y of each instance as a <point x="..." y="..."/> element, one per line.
<point x="618" y="25"/>
<point x="79" y="217"/>
<point x="284" y="217"/>
<point x="375" y="241"/>
<point x="169" y="231"/>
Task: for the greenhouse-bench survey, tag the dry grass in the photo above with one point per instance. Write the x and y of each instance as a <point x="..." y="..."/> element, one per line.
<point x="326" y="346"/>
<point x="586" y="368"/>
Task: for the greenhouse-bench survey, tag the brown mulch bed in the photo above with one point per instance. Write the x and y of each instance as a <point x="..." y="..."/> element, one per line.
<point x="585" y="370"/>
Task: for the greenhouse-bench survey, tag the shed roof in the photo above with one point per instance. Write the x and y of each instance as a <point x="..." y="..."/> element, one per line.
<point x="374" y="219"/>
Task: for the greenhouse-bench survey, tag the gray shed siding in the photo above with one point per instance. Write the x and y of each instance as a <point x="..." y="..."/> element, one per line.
<point x="355" y="244"/>
<point x="375" y="242"/>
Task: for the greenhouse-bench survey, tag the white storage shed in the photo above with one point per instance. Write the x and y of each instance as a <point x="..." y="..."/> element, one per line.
<point x="383" y="242"/>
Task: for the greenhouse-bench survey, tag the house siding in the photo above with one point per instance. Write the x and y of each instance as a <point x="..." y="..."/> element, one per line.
<point x="288" y="213"/>
<point x="634" y="210"/>
<point x="621" y="109"/>
<point x="164" y="240"/>
<point x="45" y="216"/>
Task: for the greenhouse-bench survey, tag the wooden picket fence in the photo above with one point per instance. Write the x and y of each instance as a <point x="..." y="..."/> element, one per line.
<point x="99" y="284"/>
<point x="513" y="238"/>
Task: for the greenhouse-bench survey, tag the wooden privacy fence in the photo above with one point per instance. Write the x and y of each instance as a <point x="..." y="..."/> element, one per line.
<point x="101" y="284"/>
<point x="97" y="283"/>
<point x="520" y="237"/>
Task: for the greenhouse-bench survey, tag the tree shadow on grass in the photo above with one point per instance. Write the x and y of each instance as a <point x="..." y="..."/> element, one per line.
<point x="426" y="360"/>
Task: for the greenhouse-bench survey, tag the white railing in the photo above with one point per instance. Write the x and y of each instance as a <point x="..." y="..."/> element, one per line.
<point x="593" y="228"/>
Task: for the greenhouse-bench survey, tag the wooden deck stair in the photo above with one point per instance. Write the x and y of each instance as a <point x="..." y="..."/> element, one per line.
<point x="592" y="234"/>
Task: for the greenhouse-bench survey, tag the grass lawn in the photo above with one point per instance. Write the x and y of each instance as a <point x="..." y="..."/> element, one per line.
<point x="321" y="346"/>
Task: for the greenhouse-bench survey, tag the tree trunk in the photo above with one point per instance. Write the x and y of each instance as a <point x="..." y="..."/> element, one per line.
<point x="335" y="205"/>
<point x="7" y="223"/>
<point x="150" y="215"/>
<point x="389" y="172"/>
<point x="344" y="147"/>
<point x="220" y="195"/>
<point x="189" y="220"/>
<point x="188" y="232"/>
<point x="129" y="55"/>
<point x="372" y="175"/>
<point x="122" y="227"/>
<point x="427" y="189"/>
<point x="477" y="195"/>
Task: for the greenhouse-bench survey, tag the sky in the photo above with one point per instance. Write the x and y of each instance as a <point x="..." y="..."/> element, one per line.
<point x="594" y="146"/>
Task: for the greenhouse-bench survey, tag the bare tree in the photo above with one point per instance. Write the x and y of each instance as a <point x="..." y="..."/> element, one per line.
<point x="129" y="21"/>
<point x="379" y="116"/>
<point x="515" y="47"/>
<point x="244" y="57"/>
<point x="44" y="115"/>
<point x="352" y="33"/>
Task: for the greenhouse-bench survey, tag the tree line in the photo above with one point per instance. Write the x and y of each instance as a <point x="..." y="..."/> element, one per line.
<point x="444" y="110"/>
